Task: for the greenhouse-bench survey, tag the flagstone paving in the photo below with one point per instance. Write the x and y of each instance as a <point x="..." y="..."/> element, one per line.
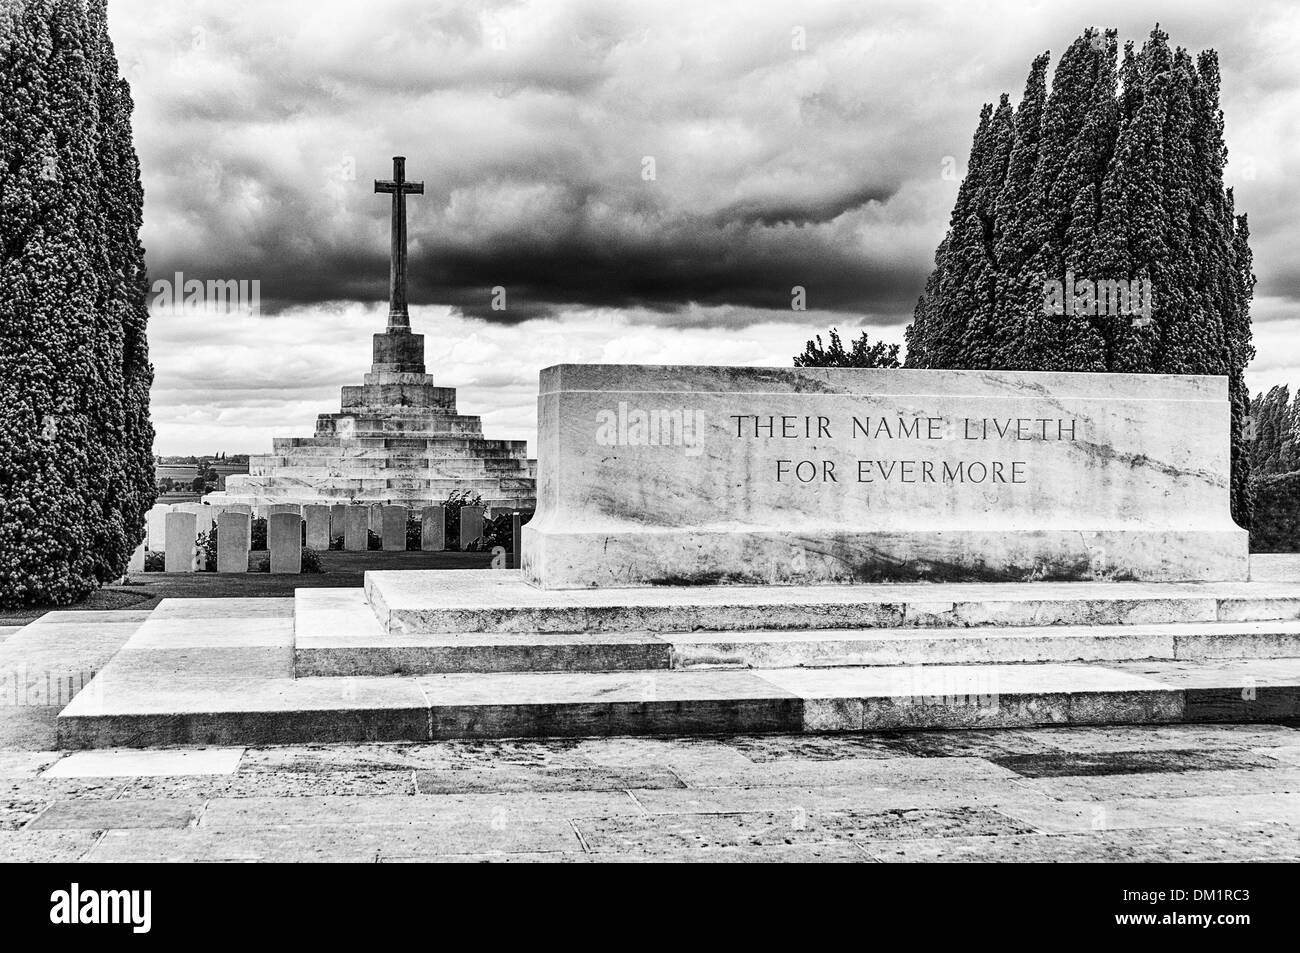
<point x="1166" y="792"/>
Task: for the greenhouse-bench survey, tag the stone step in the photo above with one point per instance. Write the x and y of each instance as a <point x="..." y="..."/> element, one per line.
<point x="1170" y="641"/>
<point x="449" y="441"/>
<point x="337" y="633"/>
<point x="426" y="470"/>
<point x="139" y="708"/>
<point x="337" y="456"/>
<point x="447" y="602"/>
<point x="355" y="486"/>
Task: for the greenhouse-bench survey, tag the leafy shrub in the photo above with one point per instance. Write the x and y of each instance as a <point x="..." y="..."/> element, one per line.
<point x="155" y="562"/>
<point x="263" y="565"/>
<point x="414" y="532"/>
<point x="373" y="540"/>
<point x="311" y="561"/>
<point x="497" y="530"/>
<point x="208" y="546"/>
<point x="259" y="534"/>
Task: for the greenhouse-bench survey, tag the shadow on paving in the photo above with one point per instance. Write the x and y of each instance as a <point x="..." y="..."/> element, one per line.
<point x="342" y="570"/>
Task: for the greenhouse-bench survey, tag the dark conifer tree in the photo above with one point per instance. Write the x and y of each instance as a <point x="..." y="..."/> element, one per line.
<point x="1114" y="174"/>
<point x="69" y="510"/>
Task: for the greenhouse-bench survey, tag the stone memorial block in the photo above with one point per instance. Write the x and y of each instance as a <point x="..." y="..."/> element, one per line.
<point x="356" y="522"/>
<point x="181" y="552"/>
<point x="433" y="529"/>
<point x="284" y="540"/>
<point x="274" y="508"/>
<point x="394" y="529"/>
<point x="136" y="563"/>
<point x="740" y="475"/>
<point x="234" y="531"/>
<point x="155" y="522"/>
<point x="375" y="518"/>
<point x="336" y="519"/>
<point x="471" y="525"/>
<point x="318" y="526"/>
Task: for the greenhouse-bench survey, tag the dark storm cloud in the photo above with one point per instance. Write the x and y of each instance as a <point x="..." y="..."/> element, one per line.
<point x="789" y="144"/>
<point x="792" y="145"/>
<point x="710" y="263"/>
<point x="532" y="127"/>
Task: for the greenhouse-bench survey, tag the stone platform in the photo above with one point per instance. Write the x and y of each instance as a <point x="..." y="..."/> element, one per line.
<point x="478" y="654"/>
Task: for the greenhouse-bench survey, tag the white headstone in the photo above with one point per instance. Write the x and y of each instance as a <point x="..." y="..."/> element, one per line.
<point x="233" y="533"/>
<point x="394" y="532"/>
<point x="355" y="529"/>
<point x="471" y="526"/>
<point x="155" y="522"/>
<point x="202" y="515"/>
<point x="284" y="540"/>
<point x="181" y="551"/>
<point x="433" y="529"/>
<point x="318" y="526"/>
<point x="248" y="510"/>
<point x="202" y="525"/>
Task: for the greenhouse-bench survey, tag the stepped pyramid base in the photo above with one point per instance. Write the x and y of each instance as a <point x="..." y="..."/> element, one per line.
<point x="398" y="438"/>
<point x="478" y="654"/>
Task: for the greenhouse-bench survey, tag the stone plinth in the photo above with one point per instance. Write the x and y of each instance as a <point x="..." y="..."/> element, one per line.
<point x="420" y="656"/>
<point x="653" y="476"/>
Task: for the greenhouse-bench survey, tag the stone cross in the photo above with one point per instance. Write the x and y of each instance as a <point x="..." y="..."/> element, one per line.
<point x="398" y="318"/>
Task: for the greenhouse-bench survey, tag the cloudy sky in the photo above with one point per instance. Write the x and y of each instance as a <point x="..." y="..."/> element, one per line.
<point x="789" y="144"/>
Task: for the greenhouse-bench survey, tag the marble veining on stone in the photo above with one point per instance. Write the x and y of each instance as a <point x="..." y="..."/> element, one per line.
<point x="652" y="476"/>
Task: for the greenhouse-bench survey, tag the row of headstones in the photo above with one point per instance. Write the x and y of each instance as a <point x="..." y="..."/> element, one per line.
<point x="174" y="531"/>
